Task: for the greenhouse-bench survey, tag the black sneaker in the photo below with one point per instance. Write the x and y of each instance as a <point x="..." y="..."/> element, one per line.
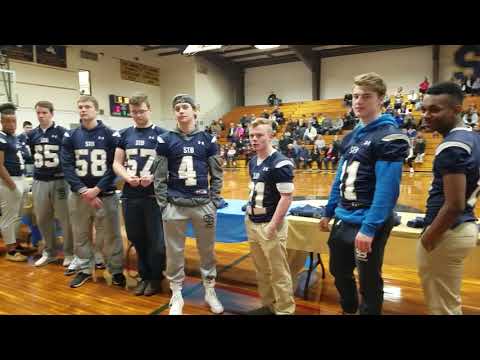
<point x="100" y="266"/>
<point x="140" y="289"/>
<point x="119" y="280"/>
<point x="69" y="272"/>
<point x="80" y="279"/>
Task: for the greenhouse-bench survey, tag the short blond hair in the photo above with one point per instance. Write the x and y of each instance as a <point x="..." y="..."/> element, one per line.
<point x="261" y="121"/>
<point x="371" y="81"/>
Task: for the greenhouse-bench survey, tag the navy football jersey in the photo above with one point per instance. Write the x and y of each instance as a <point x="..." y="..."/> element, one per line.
<point x="45" y="146"/>
<point x="265" y="179"/>
<point x="459" y="152"/>
<point x="187" y="162"/>
<point x="140" y="146"/>
<point x="360" y="154"/>
<point x="24" y="148"/>
<point x="13" y="159"/>
<point x="87" y="157"/>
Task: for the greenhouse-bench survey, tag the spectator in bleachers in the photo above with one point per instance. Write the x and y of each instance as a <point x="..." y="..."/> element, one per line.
<point x="291" y="152"/>
<point x="413" y="97"/>
<point x="398" y="99"/>
<point x="327" y="126"/>
<point x="231" y="133"/>
<point x="299" y="132"/>
<point x="386" y="101"/>
<point x="476" y="86"/>
<point x="216" y="128"/>
<point x="279" y="117"/>
<point x="313" y="119"/>
<point x="470" y="118"/>
<point x="265" y="114"/>
<point x="315" y="157"/>
<point x="348" y="121"/>
<point x="285" y="139"/>
<point x="420" y="145"/>
<point x="331" y="156"/>
<point x="249" y="153"/>
<point x="272" y="99"/>
<point x="424" y="85"/>
<point x="336" y="145"/>
<point x="252" y="118"/>
<point x="208" y="130"/>
<point x="303" y="121"/>
<point x="239" y="132"/>
<point x="245" y="121"/>
<point x="337" y="126"/>
<point x="320" y="143"/>
<point x="347" y="100"/>
<point x="302" y="158"/>
<point x="231" y="156"/>
<point x="310" y="134"/>
<point x="223" y="154"/>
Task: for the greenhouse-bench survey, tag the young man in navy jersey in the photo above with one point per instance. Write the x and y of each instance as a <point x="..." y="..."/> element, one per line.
<point x="143" y="219"/>
<point x="451" y="232"/>
<point x="271" y="190"/>
<point x="87" y="157"/>
<point x="50" y="190"/>
<point x="12" y="183"/>
<point x="186" y="158"/>
<point x="362" y="198"/>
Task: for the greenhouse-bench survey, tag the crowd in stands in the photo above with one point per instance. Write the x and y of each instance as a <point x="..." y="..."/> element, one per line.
<point x="302" y="138"/>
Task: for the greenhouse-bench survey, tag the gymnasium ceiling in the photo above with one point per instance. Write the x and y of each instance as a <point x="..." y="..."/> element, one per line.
<point x="247" y="56"/>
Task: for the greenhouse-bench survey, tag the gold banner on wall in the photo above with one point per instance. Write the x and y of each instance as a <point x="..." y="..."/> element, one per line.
<point x="137" y="72"/>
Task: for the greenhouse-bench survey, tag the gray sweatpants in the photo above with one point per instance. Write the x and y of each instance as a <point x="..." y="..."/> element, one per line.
<point x="175" y="221"/>
<point x="106" y="219"/>
<point x="11" y="203"/>
<point x="50" y="201"/>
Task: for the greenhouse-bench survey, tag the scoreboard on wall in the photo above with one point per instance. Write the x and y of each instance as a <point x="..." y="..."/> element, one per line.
<point x="119" y="106"/>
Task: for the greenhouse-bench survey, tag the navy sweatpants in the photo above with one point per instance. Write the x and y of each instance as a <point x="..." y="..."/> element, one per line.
<point x="343" y="261"/>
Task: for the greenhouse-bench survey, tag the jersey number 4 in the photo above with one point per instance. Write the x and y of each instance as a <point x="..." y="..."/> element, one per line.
<point x="98" y="162"/>
<point x="186" y="171"/>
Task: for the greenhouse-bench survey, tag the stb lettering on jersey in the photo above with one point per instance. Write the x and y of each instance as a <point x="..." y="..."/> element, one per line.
<point x="188" y="150"/>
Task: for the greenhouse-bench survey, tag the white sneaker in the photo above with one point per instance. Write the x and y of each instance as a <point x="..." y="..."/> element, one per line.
<point x="176" y="304"/>
<point x="45" y="260"/>
<point x="67" y="261"/>
<point x="212" y="300"/>
<point x="412" y="171"/>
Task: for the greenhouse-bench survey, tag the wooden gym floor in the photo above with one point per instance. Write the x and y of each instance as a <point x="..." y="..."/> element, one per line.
<point x="25" y="289"/>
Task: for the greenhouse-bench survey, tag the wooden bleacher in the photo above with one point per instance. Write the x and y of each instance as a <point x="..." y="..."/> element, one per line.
<point x="332" y="108"/>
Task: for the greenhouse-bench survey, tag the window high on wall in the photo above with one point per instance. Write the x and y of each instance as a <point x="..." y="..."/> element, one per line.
<point x="84" y="81"/>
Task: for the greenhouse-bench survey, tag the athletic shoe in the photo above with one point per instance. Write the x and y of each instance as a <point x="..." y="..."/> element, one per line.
<point x="15" y="256"/>
<point x="176" y="304"/>
<point x="100" y="266"/>
<point x="45" y="260"/>
<point x="73" y="267"/>
<point x="153" y="287"/>
<point x="119" y="280"/>
<point x="67" y="261"/>
<point x="140" y="289"/>
<point x="412" y="171"/>
<point x="212" y="300"/>
<point x="80" y="279"/>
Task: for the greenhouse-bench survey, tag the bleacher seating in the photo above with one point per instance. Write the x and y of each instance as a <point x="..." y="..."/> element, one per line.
<point x="333" y="108"/>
